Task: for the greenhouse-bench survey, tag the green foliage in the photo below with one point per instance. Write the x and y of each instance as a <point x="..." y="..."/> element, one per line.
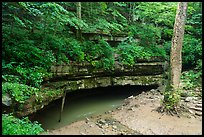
<point x="198" y="67"/>
<point x="107" y="19"/>
<point x="191" y="51"/>
<point x="19" y="92"/>
<point x="16" y="126"/>
<point x="33" y="76"/>
<point x="99" y="54"/>
<point x="16" y="45"/>
<point x="105" y="55"/>
<point x="191" y="79"/>
<point x="187" y="82"/>
<point x="11" y="78"/>
<point x="30" y="76"/>
<point x="38" y="34"/>
<point x="106" y="63"/>
<point x="194" y="19"/>
<point x="148" y="34"/>
<point x="47" y="93"/>
<point x="156" y="12"/>
<point x="167" y="48"/>
<point x="171" y="99"/>
<point x="75" y="50"/>
<point x="129" y="52"/>
<point x="105" y="26"/>
<point x="156" y="51"/>
<point x="106" y="49"/>
<point x="91" y="50"/>
<point x="56" y="47"/>
<point x="167" y="33"/>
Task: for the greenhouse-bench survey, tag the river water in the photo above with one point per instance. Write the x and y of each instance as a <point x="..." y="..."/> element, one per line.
<point x="82" y="104"/>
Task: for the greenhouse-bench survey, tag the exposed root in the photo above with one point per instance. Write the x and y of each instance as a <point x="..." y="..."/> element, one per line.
<point x="173" y="112"/>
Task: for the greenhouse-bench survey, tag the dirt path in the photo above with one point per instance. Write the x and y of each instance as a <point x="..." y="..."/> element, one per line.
<point x="136" y="116"/>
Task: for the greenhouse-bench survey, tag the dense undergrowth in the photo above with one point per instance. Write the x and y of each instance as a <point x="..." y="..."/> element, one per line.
<point x="14" y="126"/>
<point x="36" y="35"/>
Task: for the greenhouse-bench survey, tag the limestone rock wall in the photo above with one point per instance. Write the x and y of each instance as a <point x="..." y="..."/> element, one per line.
<point x="84" y="76"/>
<point x="71" y="77"/>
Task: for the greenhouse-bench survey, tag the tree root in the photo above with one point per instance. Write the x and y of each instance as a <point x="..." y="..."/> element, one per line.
<point x="173" y="112"/>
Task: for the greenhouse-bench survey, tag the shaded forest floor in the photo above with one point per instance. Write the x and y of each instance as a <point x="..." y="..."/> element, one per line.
<point x="138" y="115"/>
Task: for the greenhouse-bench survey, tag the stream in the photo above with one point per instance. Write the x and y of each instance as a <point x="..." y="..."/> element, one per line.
<point x="82" y="104"/>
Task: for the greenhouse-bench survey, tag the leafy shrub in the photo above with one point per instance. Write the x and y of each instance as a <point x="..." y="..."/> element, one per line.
<point x="129" y="53"/>
<point x="19" y="92"/>
<point x="148" y="34"/>
<point x="91" y="50"/>
<point x="106" y="49"/>
<point x="75" y="50"/>
<point x="32" y="76"/>
<point x="35" y="56"/>
<point x="171" y="100"/>
<point x="155" y="50"/>
<point x="191" y="79"/>
<point x="106" y="26"/>
<point x="105" y="55"/>
<point x="167" y="48"/>
<point x="198" y="67"/>
<point x="106" y="63"/>
<point x="16" y="126"/>
<point x="191" y="51"/>
<point x="11" y="78"/>
<point x="167" y="33"/>
<point x="19" y="48"/>
<point x="57" y="47"/>
<point x="100" y="54"/>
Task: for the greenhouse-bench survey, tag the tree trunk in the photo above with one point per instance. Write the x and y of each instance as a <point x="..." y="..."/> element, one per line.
<point x="78" y="32"/>
<point x="133" y="12"/>
<point x="176" y="48"/>
<point x="79" y="10"/>
<point x="171" y="94"/>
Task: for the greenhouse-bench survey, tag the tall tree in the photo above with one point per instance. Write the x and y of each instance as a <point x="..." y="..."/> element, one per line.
<point x="78" y="33"/>
<point x="176" y="48"/>
<point x="171" y="96"/>
<point x="79" y="10"/>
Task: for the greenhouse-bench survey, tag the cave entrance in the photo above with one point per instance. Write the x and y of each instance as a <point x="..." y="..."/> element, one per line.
<point x="81" y="104"/>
